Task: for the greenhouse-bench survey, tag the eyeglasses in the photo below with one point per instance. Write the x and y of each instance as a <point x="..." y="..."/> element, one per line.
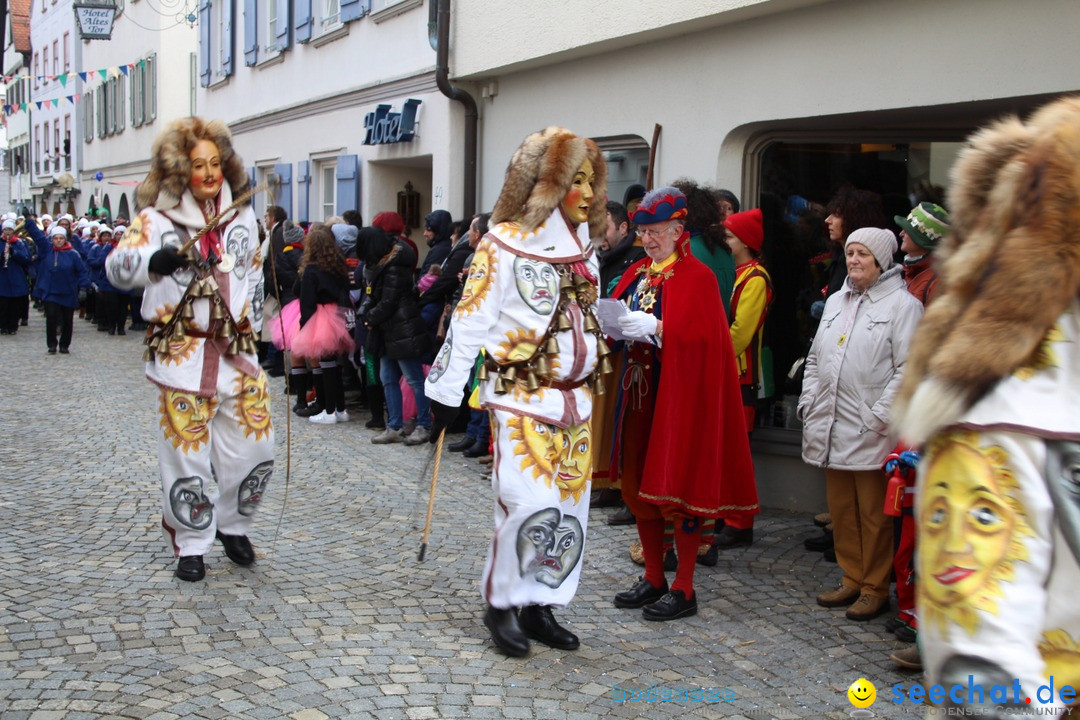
<point x="654" y="232"/>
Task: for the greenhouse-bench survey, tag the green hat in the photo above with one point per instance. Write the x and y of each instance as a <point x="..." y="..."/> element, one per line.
<point x="926" y="225"/>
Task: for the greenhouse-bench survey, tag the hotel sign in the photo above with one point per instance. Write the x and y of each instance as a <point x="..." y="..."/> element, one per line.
<point x="383" y="127"/>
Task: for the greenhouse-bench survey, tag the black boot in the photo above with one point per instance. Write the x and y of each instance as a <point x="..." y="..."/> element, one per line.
<point x="461" y="445"/>
<point x="539" y="623"/>
<point x="298" y="386"/>
<point x="478" y="449"/>
<point x="506" y="632"/>
<point x="238" y="548"/>
<point x="377" y="406"/>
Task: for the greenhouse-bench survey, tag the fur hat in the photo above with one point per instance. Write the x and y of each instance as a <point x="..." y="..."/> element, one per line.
<point x="926" y="225"/>
<point x="747" y="226"/>
<point x="1009" y="267"/>
<point x="660" y="205"/>
<point x="879" y="241"/>
<point x="541" y="173"/>
<point x="170" y="162"/>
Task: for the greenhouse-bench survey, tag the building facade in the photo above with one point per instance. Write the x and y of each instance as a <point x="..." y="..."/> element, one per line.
<point x="127" y="100"/>
<point x="333" y="104"/>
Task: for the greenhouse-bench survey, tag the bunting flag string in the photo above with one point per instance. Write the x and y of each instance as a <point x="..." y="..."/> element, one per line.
<point x="115" y="71"/>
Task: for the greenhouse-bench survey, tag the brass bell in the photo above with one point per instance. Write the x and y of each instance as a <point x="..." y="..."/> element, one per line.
<point x="602" y="349"/>
<point x="566" y="282"/>
<point x="551" y="347"/>
<point x="591" y="324"/>
<point x="541" y="363"/>
<point x="598" y="387"/>
<point x="532" y="384"/>
<point x="234" y="347"/>
<point x="187" y="311"/>
<point x="163" y="346"/>
<point x="482" y="375"/>
<point x="251" y="346"/>
<point x="210" y="284"/>
<point x="510" y="374"/>
<point x="177" y="331"/>
<point x="564" y="322"/>
<point x="605" y="366"/>
<point x="216" y="313"/>
<point x="500" y="385"/>
<point x="148" y="355"/>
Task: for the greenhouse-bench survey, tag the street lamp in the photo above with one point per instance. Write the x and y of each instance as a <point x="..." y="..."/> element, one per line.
<point x="95" y="18"/>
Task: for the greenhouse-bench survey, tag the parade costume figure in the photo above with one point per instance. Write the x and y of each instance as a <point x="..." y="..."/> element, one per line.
<point x="213" y="404"/>
<point x="993" y="387"/>
<point x="681" y="449"/>
<point x="15" y="258"/>
<point x="528" y="302"/>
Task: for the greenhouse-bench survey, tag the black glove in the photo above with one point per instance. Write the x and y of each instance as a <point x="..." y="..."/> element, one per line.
<point x="27" y="212"/>
<point x="441" y="417"/>
<point x="167" y="260"/>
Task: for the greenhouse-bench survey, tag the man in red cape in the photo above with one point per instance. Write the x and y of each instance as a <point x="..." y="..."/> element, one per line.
<point x="681" y="448"/>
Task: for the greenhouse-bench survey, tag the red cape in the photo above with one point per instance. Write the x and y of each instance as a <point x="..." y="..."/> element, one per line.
<point x="698" y="461"/>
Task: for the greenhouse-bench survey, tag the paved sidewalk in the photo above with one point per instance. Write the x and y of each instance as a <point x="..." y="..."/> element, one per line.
<point x="337" y="618"/>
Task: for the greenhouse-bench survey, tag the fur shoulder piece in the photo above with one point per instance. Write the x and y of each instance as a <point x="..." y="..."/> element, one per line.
<point x="541" y="173"/>
<point x="1009" y="267"/>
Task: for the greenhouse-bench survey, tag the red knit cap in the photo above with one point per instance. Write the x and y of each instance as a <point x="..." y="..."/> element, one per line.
<point x="747" y="227"/>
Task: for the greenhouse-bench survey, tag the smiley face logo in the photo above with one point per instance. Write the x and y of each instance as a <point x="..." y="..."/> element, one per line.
<point x="862" y="693"/>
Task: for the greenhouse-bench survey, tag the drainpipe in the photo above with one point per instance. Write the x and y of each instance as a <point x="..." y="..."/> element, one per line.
<point x="472" y="115"/>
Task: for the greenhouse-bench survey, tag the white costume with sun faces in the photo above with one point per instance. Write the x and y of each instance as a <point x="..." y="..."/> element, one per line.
<point x="213" y="407"/>
<point x="542" y="443"/>
<point x="998" y="512"/>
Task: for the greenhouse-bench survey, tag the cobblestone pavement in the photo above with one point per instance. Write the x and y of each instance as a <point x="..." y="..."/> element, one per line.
<point x="337" y="618"/>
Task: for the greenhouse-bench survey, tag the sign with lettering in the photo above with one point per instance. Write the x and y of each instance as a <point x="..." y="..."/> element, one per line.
<point x="382" y="126"/>
<point x="95" y="19"/>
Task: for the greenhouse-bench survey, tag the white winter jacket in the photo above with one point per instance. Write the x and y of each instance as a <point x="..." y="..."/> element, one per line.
<point x="853" y="373"/>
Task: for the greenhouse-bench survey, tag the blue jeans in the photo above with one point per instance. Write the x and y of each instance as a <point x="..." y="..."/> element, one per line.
<point x="390" y="372"/>
<point x="479" y="425"/>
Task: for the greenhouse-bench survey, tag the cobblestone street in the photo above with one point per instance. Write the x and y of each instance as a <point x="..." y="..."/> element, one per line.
<point x="338" y="619"/>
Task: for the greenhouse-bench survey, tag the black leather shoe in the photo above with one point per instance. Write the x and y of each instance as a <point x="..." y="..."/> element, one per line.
<point x="312" y="409"/>
<point x="506" y="633"/>
<point x="709" y="557"/>
<point x="461" y="445"/>
<point x="622" y="517"/>
<point x="191" y="568"/>
<point x="478" y="449"/>
<point x="729" y="537"/>
<point x="608" y="497"/>
<point x="820" y="543"/>
<point x="238" y="548"/>
<point x="640" y="595"/>
<point x="375" y="424"/>
<point x="671" y="560"/>
<point x="829" y="555"/>
<point x="672" y="606"/>
<point x="539" y="623"/>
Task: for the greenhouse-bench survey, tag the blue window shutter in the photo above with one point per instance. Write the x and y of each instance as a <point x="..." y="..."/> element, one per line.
<point x="303" y="190"/>
<point x="228" y="11"/>
<point x="302" y="20"/>
<point x="251" y="33"/>
<point x="204" y="42"/>
<point x="281" y="30"/>
<point x="354" y="9"/>
<point x="284" y="193"/>
<point x="251" y="176"/>
<point x="348" y="183"/>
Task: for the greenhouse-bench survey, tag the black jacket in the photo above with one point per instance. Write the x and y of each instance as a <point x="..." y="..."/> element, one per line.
<point x="391" y="309"/>
<point x="445" y="285"/>
<point x="442" y="225"/>
<point x="287" y="267"/>
<point x="318" y="287"/>
<point x="615" y="262"/>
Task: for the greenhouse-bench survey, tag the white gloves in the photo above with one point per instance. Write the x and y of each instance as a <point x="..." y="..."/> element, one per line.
<point x="638" y="324"/>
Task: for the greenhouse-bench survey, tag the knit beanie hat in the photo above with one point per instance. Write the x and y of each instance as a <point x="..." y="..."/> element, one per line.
<point x="879" y="241"/>
<point x="293" y="234"/>
<point x="747" y="226"/>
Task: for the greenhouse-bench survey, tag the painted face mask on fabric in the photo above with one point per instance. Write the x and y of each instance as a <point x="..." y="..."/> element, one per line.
<point x="549" y="546"/>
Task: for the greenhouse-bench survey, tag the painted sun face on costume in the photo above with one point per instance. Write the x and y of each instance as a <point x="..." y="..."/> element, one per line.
<point x="1061" y="653"/>
<point x="536" y="445"/>
<point x="537" y="283"/>
<point x="190" y="503"/>
<point x="549" y="546"/>
<point x="572" y="477"/>
<point x="253" y="403"/>
<point x="137" y="234"/>
<point x="481" y="277"/>
<point x="185" y="419"/>
<point x="206" y="176"/>
<point x="971" y="525"/>
<point x="253" y="487"/>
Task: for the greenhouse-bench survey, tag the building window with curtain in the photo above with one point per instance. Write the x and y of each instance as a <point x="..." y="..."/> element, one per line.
<point x="327" y="175"/>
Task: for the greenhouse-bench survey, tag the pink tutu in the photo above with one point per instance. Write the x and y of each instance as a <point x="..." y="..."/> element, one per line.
<point x="408" y="399"/>
<point x="290" y="318"/>
<point x="323" y="335"/>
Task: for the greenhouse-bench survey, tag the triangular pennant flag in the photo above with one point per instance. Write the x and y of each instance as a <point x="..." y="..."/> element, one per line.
<point x="141" y="64"/>
<point x="63" y="79"/>
<point x="114" y="71"/>
<point x="38" y="103"/>
<point x="56" y="102"/>
<point x="104" y="73"/>
<point x="22" y="106"/>
<point x="124" y="69"/>
<point x="82" y="76"/>
<point x="71" y="99"/>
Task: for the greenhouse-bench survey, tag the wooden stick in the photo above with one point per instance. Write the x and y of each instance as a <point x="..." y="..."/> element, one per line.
<point x="431" y="497"/>
<point x="217" y="218"/>
<point x="652" y="157"/>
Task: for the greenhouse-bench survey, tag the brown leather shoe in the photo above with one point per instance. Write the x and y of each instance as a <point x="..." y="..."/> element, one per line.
<point x="839" y="597"/>
<point x="867" y="607"/>
<point x="907" y="658"/>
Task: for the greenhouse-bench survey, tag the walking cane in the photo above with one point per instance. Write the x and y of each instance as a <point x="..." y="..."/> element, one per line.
<point x="431" y="497"/>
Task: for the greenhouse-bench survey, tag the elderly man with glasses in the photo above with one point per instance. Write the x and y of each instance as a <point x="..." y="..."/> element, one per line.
<point x="681" y="449"/>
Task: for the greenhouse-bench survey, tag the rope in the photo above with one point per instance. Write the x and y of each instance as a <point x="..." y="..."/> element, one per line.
<point x="431" y="497"/>
<point x="213" y="222"/>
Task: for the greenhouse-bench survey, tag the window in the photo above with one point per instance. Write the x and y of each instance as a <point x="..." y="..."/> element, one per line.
<point x="329" y="14"/>
<point x="220" y="39"/>
<point x="88" y="119"/>
<point x="37" y="77"/>
<point x="45" y="66"/>
<point x="37" y="151"/>
<point x="66" y="150"/>
<point x="119" y="109"/>
<point x="56" y="145"/>
<point x="99" y="102"/>
<point x="327" y="188"/>
<point x="150" y="89"/>
<point x="67" y="55"/>
<point x="56" y="57"/>
<point x="269" y="33"/>
<point x="143" y="92"/>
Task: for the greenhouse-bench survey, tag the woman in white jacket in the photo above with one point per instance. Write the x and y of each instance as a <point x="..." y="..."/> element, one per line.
<point x="853" y="372"/>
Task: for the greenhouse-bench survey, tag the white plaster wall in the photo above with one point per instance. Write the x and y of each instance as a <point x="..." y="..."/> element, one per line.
<point x="45" y="27"/>
<point x="709" y="88"/>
